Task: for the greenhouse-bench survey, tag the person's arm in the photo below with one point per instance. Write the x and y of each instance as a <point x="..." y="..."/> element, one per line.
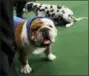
<point x="7" y="37"/>
<point x="19" y="7"/>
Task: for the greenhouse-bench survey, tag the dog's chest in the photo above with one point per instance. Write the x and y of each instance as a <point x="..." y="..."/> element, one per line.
<point x="38" y="50"/>
<point x="33" y="49"/>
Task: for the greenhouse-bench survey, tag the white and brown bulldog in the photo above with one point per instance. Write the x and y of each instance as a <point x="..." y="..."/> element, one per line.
<point x="34" y="37"/>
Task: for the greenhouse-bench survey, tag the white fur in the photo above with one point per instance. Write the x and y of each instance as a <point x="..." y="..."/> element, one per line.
<point x="81" y="18"/>
<point x="26" y="69"/>
<point x="38" y="51"/>
<point x="24" y="37"/>
<point x="51" y="56"/>
<point x="70" y="24"/>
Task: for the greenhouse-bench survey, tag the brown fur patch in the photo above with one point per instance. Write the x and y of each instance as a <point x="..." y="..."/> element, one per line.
<point x="36" y="24"/>
<point x="18" y="32"/>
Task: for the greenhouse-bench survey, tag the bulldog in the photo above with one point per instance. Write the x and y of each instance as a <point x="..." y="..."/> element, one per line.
<point x="60" y="14"/>
<point x="34" y="36"/>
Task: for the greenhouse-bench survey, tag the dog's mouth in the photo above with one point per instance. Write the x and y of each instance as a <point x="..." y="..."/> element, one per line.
<point x="46" y="36"/>
<point x="47" y="41"/>
<point x="43" y="38"/>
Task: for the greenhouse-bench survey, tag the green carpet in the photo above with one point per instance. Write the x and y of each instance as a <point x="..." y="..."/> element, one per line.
<point x="71" y="47"/>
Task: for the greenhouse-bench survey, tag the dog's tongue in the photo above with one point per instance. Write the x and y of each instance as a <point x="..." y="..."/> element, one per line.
<point x="46" y="41"/>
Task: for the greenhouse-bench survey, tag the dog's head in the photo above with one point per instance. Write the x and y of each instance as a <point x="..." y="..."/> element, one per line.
<point x="66" y="14"/>
<point x="30" y="6"/>
<point x="42" y="32"/>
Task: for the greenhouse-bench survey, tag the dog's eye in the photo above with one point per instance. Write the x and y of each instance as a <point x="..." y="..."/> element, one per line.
<point x="50" y="26"/>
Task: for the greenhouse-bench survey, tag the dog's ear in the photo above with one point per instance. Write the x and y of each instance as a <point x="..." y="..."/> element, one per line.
<point x="35" y="26"/>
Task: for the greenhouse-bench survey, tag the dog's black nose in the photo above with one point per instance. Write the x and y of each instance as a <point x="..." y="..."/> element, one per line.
<point x="45" y="29"/>
<point x="45" y="33"/>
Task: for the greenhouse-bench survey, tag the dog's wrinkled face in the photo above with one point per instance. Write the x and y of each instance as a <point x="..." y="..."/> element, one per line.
<point x="43" y="32"/>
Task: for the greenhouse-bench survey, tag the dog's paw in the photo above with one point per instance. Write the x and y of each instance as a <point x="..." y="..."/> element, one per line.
<point x="51" y="57"/>
<point x="26" y="69"/>
<point x="68" y="25"/>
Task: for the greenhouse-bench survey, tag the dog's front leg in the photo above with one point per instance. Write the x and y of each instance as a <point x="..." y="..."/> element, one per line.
<point x="25" y="68"/>
<point x="49" y="54"/>
<point x="69" y="24"/>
